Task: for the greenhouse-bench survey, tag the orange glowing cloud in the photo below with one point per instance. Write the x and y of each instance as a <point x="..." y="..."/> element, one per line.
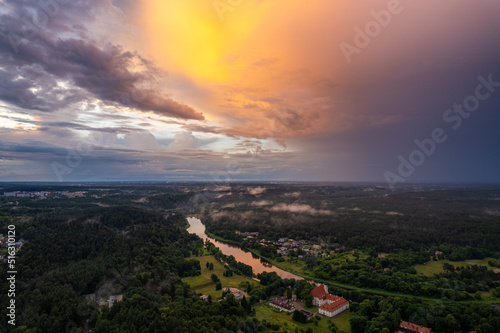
<point x="274" y="69"/>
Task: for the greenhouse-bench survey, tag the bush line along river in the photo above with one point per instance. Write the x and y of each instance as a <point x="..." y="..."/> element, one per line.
<point x="258" y="264"/>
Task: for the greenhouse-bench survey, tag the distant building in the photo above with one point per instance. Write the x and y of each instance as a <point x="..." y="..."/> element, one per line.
<point x="332" y="309"/>
<point x="238" y="294"/>
<point x="329" y="305"/>
<point x="113" y="299"/>
<point x="307" y="313"/>
<point x="282" y="304"/>
<point x="406" y="327"/>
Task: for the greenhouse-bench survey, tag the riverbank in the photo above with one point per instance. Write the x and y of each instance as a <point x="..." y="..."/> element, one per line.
<point x="295" y="273"/>
<point x="220" y="239"/>
<point x="371" y="291"/>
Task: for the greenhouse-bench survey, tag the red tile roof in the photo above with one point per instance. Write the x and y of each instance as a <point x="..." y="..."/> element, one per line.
<point x="414" y="328"/>
<point x="318" y="292"/>
<point x="337" y="304"/>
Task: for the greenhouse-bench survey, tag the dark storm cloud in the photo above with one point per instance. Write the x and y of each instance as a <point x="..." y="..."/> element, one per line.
<point x="36" y="59"/>
<point x="31" y="147"/>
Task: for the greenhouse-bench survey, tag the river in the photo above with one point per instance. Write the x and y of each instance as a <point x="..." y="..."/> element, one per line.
<point x="258" y="265"/>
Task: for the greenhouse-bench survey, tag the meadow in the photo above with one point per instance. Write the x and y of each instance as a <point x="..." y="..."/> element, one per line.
<point x="203" y="283"/>
<point x="435" y="267"/>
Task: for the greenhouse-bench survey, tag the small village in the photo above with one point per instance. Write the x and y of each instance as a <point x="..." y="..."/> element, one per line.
<point x="285" y="246"/>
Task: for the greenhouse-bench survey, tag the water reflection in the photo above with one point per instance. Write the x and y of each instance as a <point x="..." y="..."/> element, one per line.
<point x="258" y="264"/>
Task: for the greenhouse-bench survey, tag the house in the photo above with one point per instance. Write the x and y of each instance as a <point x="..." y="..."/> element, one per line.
<point x="281" y="303"/>
<point x="329" y="305"/>
<point x="114" y="299"/>
<point x="406" y="327"/>
<point x="205" y="297"/>
<point x="238" y="294"/>
<point x="307" y="313"/>
<point x="337" y="306"/>
<point x="101" y="301"/>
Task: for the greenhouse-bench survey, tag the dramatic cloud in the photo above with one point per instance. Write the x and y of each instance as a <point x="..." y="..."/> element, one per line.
<point x="186" y="140"/>
<point x="165" y="89"/>
<point x="65" y="70"/>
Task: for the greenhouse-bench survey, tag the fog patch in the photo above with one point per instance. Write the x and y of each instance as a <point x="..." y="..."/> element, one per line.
<point x="492" y="212"/>
<point x="394" y="214"/>
<point x="220" y="195"/>
<point x="256" y="190"/>
<point x="298" y="208"/>
<point x="261" y="203"/>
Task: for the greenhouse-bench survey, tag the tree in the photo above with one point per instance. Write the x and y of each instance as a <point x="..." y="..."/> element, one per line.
<point x="218" y="286"/>
<point x="366" y="307"/>
<point x="214" y="278"/>
<point x="246" y="305"/>
<point x="299" y="317"/>
<point x="496" y="292"/>
<point x="448" y="267"/>
<point x="309" y="300"/>
<point x="211" y="266"/>
<point x="451" y="324"/>
<point x="358" y="324"/>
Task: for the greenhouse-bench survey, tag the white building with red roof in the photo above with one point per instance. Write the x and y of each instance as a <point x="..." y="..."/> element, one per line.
<point x="329" y="305"/>
<point x="406" y="327"/>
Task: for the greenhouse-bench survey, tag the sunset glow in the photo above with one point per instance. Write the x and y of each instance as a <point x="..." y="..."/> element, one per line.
<point x="339" y="90"/>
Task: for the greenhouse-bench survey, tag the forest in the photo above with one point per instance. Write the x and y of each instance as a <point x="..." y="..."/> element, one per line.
<point x="130" y="239"/>
<point x="138" y="253"/>
<point x="362" y="217"/>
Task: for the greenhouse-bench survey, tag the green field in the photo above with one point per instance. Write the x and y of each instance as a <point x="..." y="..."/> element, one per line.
<point x="284" y="320"/>
<point x="436" y="267"/>
<point x="295" y="266"/>
<point x="342" y="322"/>
<point x="204" y="285"/>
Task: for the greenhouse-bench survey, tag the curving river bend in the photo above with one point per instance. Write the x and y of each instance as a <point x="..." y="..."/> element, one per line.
<point x="258" y="265"/>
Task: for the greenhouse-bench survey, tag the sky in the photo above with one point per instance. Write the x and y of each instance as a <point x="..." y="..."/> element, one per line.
<point x="391" y="91"/>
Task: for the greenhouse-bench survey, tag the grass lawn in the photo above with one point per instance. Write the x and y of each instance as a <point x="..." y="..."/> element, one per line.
<point x="436" y="267"/>
<point x="296" y="266"/>
<point x="284" y="320"/>
<point x="204" y="285"/>
<point x="342" y="322"/>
